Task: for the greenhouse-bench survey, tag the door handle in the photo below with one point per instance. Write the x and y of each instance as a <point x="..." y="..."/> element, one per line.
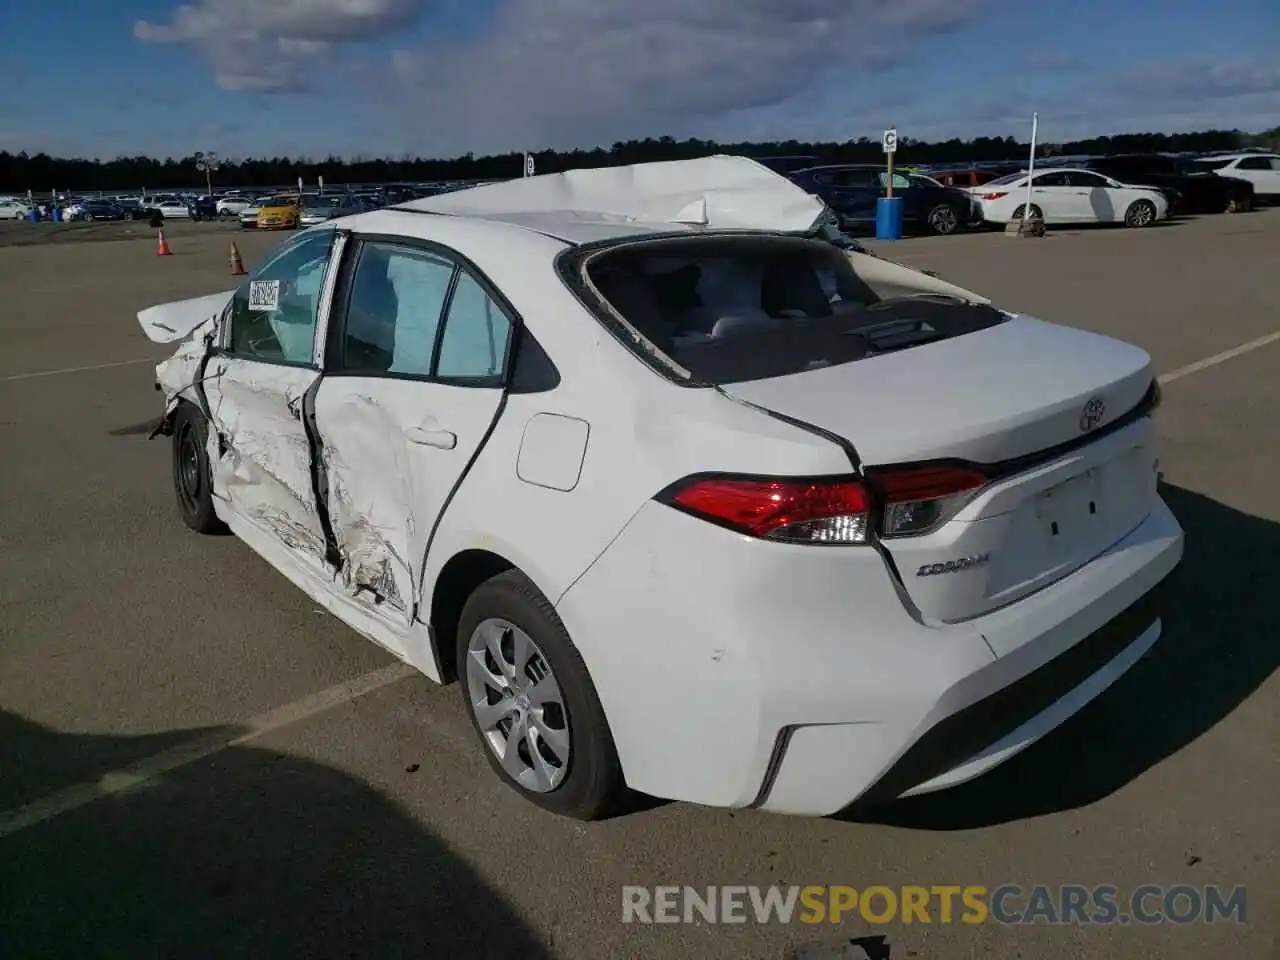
<point x="432" y="437"/>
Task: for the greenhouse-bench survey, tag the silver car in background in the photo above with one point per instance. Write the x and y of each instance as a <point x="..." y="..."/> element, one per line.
<point x="318" y="209"/>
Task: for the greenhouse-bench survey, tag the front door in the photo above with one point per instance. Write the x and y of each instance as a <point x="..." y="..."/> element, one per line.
<point x="1092" y="197"/>
<point x="258" y="384"/>
<point x="413" y="382"/>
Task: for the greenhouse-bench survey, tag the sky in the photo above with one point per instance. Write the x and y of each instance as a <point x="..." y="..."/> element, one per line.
<point x="441" y="78"/>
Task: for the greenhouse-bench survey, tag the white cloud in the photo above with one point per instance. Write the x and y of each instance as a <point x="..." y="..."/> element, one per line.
<point x="563" y="73"/>
<point x="572" y="72"/>
<point x="1170" y="94"/>
<point x="267" y="45"/>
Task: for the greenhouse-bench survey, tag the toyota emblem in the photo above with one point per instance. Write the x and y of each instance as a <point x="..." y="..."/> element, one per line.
<point x="1092" y="414"/>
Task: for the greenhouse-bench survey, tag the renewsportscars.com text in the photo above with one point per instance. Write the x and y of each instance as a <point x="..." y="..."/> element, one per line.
<point x="944" y="904"/>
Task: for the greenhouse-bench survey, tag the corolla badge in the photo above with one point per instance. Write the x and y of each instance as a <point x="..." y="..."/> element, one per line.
<point x="1092" y="414"/>
<point x="954" y="566"/>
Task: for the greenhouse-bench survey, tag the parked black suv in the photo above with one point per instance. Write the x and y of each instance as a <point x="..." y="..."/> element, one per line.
<point x="1189" y="192"/>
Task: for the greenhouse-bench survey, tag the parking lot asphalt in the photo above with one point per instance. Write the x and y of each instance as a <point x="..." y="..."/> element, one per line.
<point x="276" y="811"/>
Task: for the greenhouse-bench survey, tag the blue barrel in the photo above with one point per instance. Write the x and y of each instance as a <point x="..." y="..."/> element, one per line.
<point x="889" y="218"/>
<point x="57" y="214"/>
<point x="34" y="214"/>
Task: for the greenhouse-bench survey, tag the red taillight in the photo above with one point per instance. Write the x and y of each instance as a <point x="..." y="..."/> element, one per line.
<point x="918" y="499"/>
<point x="821" y="510"/>
<point x="994" y="196"/>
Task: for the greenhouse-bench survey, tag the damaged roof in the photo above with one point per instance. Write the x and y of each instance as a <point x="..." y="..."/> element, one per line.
<point x="579" y="206"/>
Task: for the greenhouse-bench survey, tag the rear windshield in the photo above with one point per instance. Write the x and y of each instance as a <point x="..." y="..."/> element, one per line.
<point x="729" y="309"/>
<point x="1210" y="163"/>
<point x="1006" y="179"/>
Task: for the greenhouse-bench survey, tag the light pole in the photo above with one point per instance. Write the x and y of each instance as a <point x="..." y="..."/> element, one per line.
<point x="208" y="162"/>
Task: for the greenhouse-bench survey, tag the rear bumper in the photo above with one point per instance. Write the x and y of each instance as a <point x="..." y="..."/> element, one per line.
<point x="738" y="673"/>
<point x="984" y="734"/>
<point x="1074" y="640"/>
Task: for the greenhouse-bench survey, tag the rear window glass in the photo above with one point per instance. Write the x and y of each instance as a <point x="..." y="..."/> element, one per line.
<point x="1006" y="179"/>
<point x="732" y="309"/>
<point x="1210" y="163"/>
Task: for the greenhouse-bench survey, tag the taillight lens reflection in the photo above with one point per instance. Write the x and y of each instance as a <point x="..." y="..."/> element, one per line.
<point x="831" y="511"/>
<point x="919" y="499"/>
<point x="835" y="511"/>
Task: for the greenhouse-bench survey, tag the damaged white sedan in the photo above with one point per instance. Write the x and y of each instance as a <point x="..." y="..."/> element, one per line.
<point x="689" y="499"/>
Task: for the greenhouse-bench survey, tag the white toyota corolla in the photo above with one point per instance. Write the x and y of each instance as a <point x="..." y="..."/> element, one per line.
<point x="689" y="499"/>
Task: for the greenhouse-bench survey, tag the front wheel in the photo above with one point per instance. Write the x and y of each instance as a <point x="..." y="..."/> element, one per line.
<point x="532" y="702"/>
<point x="943" y="219"/>
<point x="1141" y="213"/>
<point x="191" y="473"/>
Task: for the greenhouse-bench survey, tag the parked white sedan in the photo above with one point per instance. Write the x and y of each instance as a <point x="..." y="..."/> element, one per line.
<point x="689" y="499"/>
<point x="170" y="207"/>
<point x="1070" y="196"/>
<point x="233" y="206"/>
<point x="14" y="209"/>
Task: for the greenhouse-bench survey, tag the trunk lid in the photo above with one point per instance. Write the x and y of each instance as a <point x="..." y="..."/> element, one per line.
<point x="1016" y="399"/>
<point x="171" y="322"/>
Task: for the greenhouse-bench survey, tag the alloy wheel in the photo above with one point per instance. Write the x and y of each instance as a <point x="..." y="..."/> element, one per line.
<point x="518" y="705"/>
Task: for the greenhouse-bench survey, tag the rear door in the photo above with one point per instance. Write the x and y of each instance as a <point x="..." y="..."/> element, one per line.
<point x="1050" y="192"/>
<point x="259" y="384"/>
<point x="414" y="372"/>
<point x="852" y="193"/>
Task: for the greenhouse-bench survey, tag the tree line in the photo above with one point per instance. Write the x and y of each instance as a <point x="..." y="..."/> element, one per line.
<point x="20" y="172"/>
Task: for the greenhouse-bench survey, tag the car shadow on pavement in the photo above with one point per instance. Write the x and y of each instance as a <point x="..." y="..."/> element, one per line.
<point x="1218" y="647"/>
<point x="247" y="853"/>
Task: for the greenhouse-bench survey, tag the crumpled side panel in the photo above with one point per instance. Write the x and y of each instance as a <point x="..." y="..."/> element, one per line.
<point x="371" y="501"/>
<point x="262" y="460"/>
<point x="178" y="374"/>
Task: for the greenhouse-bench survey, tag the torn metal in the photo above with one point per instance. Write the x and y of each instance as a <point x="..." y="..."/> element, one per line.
<point x="720" y="192"/>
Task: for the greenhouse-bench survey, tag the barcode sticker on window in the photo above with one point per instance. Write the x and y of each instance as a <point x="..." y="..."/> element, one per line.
<point x="264" y="295"/>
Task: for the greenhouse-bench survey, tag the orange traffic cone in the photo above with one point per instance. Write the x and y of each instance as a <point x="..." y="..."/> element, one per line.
<point x="162" y="247"/>
<point x="237" y="265"/>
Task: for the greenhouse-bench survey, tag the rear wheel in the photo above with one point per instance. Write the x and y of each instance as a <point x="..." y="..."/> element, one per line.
<point x="191" y="474"/>
<point x="1036" y="213"/>
<point x="943" y="219"/>
<point x="532" y="701"/>
<point x="1141" y="213"/>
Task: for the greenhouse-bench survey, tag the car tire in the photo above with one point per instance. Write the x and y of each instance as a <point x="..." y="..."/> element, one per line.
<point x="944" y="220"/>
<point x="88" y="218"/>
<point x="1036" y="213"/>
<point x="191" y="474"/>
<point x="1141" y="213"/>
<point x="507" y="610"/>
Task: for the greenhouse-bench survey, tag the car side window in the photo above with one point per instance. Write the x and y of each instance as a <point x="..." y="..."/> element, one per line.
<point x="1254" y="163"/>
<point x="273" y="314"/>
<point x="476" y="334"/>
<point x="899" y="181"/>
<point x="1078" y="178"/>
<point x="1057" y="179"/>
<point x="398" y="294"/>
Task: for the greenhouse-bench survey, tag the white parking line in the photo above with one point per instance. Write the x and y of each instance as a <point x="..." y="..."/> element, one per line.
<point x="62" y="370"/>
<point x="1218" y="358"/>
<point x="134" y="775"/>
